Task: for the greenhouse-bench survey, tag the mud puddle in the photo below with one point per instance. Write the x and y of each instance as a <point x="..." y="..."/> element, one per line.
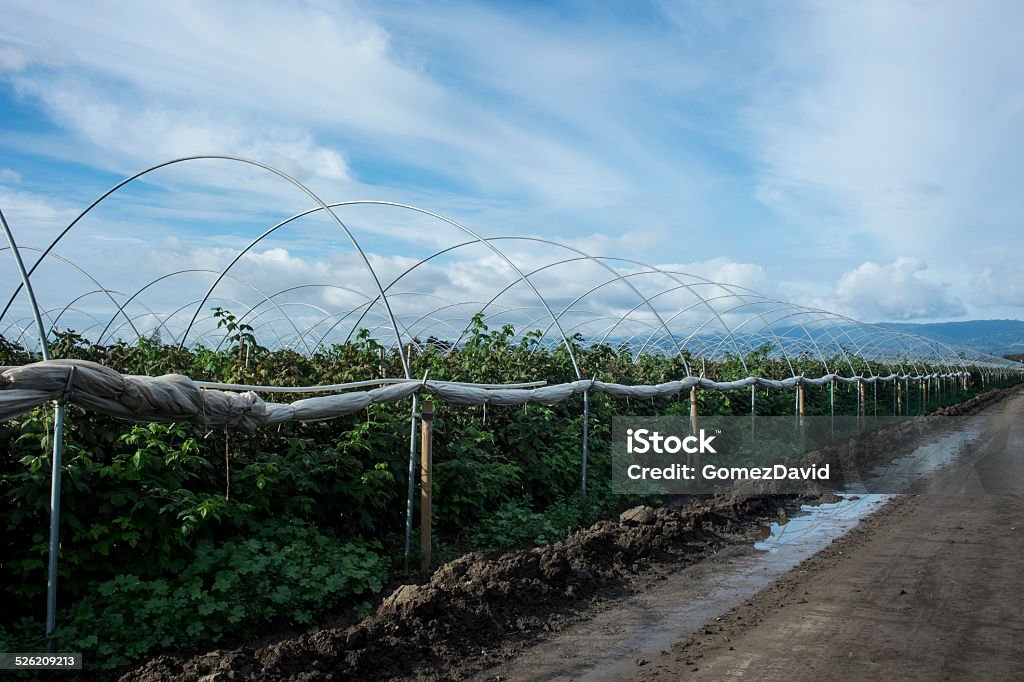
<point x="902" y="472"/>
<point x="616" y="642"/>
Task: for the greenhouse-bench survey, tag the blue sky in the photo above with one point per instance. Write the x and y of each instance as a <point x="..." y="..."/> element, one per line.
<point x="860" y="157"/>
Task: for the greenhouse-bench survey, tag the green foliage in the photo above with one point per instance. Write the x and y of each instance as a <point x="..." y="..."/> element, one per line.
<point x="515" y="524"/>
<point x="283" y="571"/>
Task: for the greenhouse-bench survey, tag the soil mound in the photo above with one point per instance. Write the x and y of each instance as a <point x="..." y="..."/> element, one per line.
<point x="456" y="620"/>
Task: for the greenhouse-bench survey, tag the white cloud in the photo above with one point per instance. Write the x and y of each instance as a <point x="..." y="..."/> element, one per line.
<point x="999" y="276"/>
<point x="722" y="270"/>
<point x="276" y="82"/>
<point x="895" y="291"/>
<point x="157" y="131"/>
<point x="29" y="214"/>
<point x="315" y="290"/>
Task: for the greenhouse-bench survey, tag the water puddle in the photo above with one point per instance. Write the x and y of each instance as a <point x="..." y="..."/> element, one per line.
<point x="817" y="525"/>
<point x="781" y="547"/>
<point x="897" y="475"/>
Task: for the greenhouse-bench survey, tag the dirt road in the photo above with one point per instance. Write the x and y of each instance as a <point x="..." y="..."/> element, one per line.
<point x="931" y="586"/>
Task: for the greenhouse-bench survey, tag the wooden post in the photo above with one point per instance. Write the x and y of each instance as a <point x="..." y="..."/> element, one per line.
<point x="426" y="477"/>
<point x="800" y="408"/>
<point x="899" y="397"/>
<point x="693" y="410"/>
<point x="832" y="408"/>
<point x="861" y="405"/>
<point x="753" y="411"/>
<point x="832" y="398"/>
<point x="695" y="458"/>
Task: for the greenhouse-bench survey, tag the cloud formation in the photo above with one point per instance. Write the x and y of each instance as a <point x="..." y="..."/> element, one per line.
<point x="897" y="291"/>
<point x="771" y="147"/>
<point x="999" y="278"/>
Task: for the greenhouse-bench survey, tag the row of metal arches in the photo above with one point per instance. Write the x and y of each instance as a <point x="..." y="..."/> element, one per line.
<point x="873" y="342"/>
<point x="707" y="345"/>
<point x="833" y="336"/>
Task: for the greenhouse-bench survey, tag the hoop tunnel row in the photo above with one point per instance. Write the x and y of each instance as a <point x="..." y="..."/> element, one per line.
<point x="638" y="307"/>
<point x="655" y="310"/>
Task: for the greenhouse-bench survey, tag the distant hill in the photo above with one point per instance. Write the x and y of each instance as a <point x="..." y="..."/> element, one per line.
<point x="996" y="337"/>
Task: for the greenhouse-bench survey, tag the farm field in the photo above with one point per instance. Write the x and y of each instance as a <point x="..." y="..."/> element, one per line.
<point x="308" y="477"/>
<point x="511" y="341"/>
<point x="181" y="538"/>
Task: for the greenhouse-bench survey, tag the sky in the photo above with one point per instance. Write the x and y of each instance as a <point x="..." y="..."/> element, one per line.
<point x="862" y="158"/>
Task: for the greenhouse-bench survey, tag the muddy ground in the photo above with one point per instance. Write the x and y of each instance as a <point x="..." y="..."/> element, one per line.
<point x="929" y="588"/>
<point x="476" y="612"/>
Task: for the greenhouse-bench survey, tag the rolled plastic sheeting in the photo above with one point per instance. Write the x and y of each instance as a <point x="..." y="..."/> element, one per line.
<point x="175" y="397"/>
<point x="172" y="397"/>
